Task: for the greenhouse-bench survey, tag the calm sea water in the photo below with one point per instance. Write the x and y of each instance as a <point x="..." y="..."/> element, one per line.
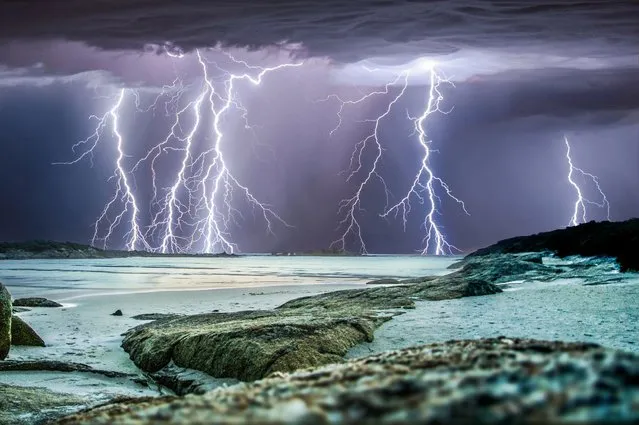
<point x="201" y="273"/>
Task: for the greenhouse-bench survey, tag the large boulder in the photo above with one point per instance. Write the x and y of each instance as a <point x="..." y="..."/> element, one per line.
<point x="5" y="322"/>
<point x="23" y="334"/>
<point x="246" y="345"/>
<point x="497" y="380"/>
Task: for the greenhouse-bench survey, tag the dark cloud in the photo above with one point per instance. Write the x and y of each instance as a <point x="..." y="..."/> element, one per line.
<point x="344" y="30"/>
<point x="525" y="74"/>
<point x="577" y="97"/>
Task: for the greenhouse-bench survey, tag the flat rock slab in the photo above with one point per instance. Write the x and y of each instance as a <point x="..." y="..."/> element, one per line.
<point x="305" y="332"/>
<point x="35" y="302"/>
<point x="498" y="380"/>
<point x="156" y="316"/>
<point x="246" y="345"/>
<point x="57" y="366"/>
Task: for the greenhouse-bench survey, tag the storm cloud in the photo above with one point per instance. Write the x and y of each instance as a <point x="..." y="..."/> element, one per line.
<point x="343" y="30"/>
<point x="523" y="73"/>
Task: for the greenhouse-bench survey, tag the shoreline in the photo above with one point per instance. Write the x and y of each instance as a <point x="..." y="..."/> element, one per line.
<point x="431" y="309"/>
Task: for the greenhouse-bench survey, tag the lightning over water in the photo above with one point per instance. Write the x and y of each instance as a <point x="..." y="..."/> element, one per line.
<point x="580" y="212"/>
<point x="196" y="211"/>
<point x="424" y="188"/>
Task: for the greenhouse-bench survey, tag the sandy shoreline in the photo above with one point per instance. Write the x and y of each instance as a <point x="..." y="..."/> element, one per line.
<point x="84" y="331"/>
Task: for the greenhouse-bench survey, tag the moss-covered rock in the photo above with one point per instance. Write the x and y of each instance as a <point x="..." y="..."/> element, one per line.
<point x="5" y="322"/>
<point x="305" y="332"/>
<point x="23" y="334"/>
<point x="246" y="345"/>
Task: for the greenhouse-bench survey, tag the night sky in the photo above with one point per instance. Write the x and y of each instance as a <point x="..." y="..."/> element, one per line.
<point x="522" y="76"/>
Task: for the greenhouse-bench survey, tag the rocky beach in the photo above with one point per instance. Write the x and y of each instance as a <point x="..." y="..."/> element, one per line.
<point x="507" y="334"/>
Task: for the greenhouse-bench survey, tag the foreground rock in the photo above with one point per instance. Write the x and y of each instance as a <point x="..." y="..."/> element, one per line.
<point x="5" y="322"/>
<point x="476" y="382"/>
<point x="605" y="239"/>
<point x="23" y="334"/>
<point x="302" y="333"/>
<point x="35" y="302"/>
<point x="19" y="405"/>
<point x="246" y="345"/>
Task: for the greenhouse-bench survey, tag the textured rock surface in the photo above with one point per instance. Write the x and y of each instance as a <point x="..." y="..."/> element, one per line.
<point x="35" y="302"/>
<point x="246" y="345"/>
<point x="5" y="322"/>
<point x="607" y="239"/>
<point x="23" y="334"/>
<point x="305" y="332"/>
<point x="497" y="380"/>
<point x="19" y="405"/>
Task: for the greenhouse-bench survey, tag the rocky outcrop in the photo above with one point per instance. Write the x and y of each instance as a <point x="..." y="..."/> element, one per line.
<point x="19" y="405"/>
<point x="246" y="345"/>
<point x="5" y="322"/>
<point x="497" y="380"/>
<point x="35" y="302"/>
<point x="305" y="332"/>
<point x="23" y="334"/>
<point x="604" y="239"/>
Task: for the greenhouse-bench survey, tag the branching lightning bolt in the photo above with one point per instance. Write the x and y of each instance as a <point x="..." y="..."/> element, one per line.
<point x="123" y="195"/>
<point x="194" y="213"/>
<point x="425" y="184"/>
<point x="350" y="207"/>
<point x="580" y="214"/>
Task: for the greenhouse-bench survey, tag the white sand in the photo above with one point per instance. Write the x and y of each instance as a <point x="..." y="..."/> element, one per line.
<point x="87" y="333"/>
<point x="84" y="330"/>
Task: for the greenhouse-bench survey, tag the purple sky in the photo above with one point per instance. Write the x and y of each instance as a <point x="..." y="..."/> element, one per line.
<point x="521" y="77"/>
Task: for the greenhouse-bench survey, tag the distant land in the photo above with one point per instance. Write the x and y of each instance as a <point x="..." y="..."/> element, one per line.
<point x="328" y="252"/>
<point x="593" y="239"/>
<point x="54" y="250"/>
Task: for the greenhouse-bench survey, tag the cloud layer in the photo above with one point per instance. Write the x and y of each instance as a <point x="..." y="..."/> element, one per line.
<point x="346" y="31"/>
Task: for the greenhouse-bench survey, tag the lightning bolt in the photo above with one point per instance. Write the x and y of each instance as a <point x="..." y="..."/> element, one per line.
<point x="123" y="194"/>
<point x="196" y="212"/>
<point x="350" y="207"/>
<point x="425" y="184"/>
<point x="580" y="214"/>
